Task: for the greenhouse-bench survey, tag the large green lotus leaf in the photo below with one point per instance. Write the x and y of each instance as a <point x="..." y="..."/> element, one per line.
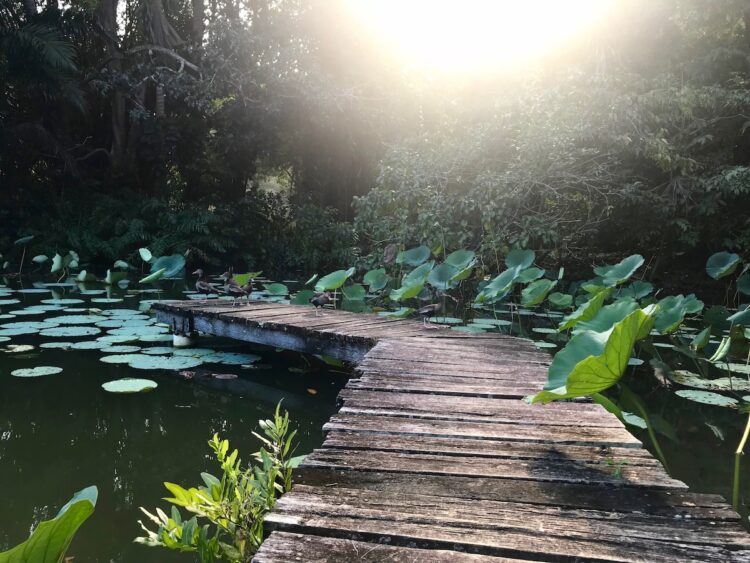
<point x="242" y="279"/>
<point x="722" y="264"/>
<point x="585" y="311"/>
<point x="62" y="301"/>
<point x="124" y="322"/>
<point x="536" y="292"/>
<point x="89" y="345"/>
<point x="70" y="331"/>
<point x="129" y="385"/>
<point x="276" y="289"/>
<point x="492" y="322"/>
<point x="355" y="306"/>
<point x="124" y="313"/>
<point x="230" y="358"/>
<point x="463" y="274"/>
<point x="120" y="349"/>
<point x="157" y="275"/>
<point x="18" y="331"/>
<point x="637" y="290"/>
<point x="560" y="300"/>
<point x="196" y="352"/>
<point x="8" y="302"/>
<point x="530" y="274"/>
<point x="24" y="240"/>
<point x="499" y="286"/>
<point x="743" y="284"/>
<point x="119" y="358"/>
<point x="461" y="259"/>
<point x="53" y="345"/>
<point x="302" y="297"/>
<point x="405" y="292"/>
<point x="40" y="259"/>
<point x="672" y="311"/>
<point x="580" y="347"/>
<point x="520" y="258"/>
<point x="76" y="319"/>
<point x="118" y="338"/>
<point x="334" y="280"/>
<point x="741" y="317"/>
<point x="145" y="361"/>
<point x="32" y="290"/>
<point x="57" y="264"/>
<point x="51" y="538"/>
<point x="38" y="371"/>
<point x="445" y="320"/>
<point x="701" y="339"/>
<point x="146" y="255"/>
<point x="620" y="272"/>
<point x="354" y="292"/>
<point x="159" y="350"/>
<point x="442" y="275"/>
<point x="608" y="315"/>
<point x="29" y="325"/>
<point x="419" y="274"/>
<point x="413" y="256"/>
<point x="376" y="279"/>
<point x="708" y="398"/>
<point x="400" y="313"/>
<point x="156" y="338"/>
<point x="596" y="372"/>
<point x="174" y="265"/>
<point x="690" y="379"/>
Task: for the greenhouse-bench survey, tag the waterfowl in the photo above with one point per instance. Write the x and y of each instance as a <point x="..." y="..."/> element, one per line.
<point x="320" y="300"/>
<point x="202" y="285"/>
<point x="232" y="288"/>
<point x="429" y="311"/>
<point x="248" y="288"/>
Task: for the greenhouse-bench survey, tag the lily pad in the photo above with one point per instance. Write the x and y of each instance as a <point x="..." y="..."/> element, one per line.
<point x="32" y="290"/>
<point x="708" y="398"/>
<point x="123" y="313"/>
<point x="413" y="256"/>
<point x="399" y="313"/>
<point x="690" y="379"/>
<point x="17" y="348"/>
<point x="76" y="319"/>
<point x="8" y="302"/>
<point x="143" y="361"/>
<point x="445" y="320"/>
<point x="120" y="358"/>
<point x="124" y="322"/>
<point x="195" y="352"/>
<point x="469" y="328"/>
<point x="722" y="264"/>
<point x="155" y="338"/>
<point x="38" y="371"/>
<point x="32" y="325"/>
<point x="138" y="330"/>
<point x="70" y="331"/>
<point x="118" y="338"/>
<point x="120" y="349"/>
<point x="129" y="385"/>
<point x="54" y="345"/>
<point x="493" y="322"/>
<point x="89" y="345"/>
<point x="159" y="350"/>
<point x="62" y="301"/>
<point x="230" y="358"/>
<point x="107" y="300"/>
<point x="18" y="331"/>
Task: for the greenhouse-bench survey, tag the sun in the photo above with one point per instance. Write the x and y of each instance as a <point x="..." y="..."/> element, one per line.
<point x="471" y="35"/>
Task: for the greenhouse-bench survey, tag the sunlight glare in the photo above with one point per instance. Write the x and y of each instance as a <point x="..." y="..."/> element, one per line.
<point x="470" y="35"/>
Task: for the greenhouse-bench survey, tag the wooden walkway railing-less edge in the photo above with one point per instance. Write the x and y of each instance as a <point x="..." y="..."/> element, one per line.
<point x="433" y="457"/>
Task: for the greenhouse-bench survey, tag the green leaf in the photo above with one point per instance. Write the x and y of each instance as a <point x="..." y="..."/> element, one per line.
<point x="158" y="274"/>
<point x="146" y="255"/>
<point x="722" y="264"/>
<point x="672" y="311"/>
<point x="413" y="256"/>
<point x="520" y="258"/>
<point x="51" y="538"/>
<point x="334" y="280"/>
<point x="276" y="289"/>
<point x="701" y="339"/>
<point x="560" y="300"/>
<point x="536" y="292"/>
<point x="637" y="290"/>
<point x="741" y="317"/>
<point x="173" y="265"/>
<point x="302" y="297"/>
<point x="500" y="286"/>
<point x="57" y="264"/>
<point x="242" y="279"/>
<point x="441" y="277"/>
<point x="585" y="311"/>
<point x="743" y="284"/>
<point x="39" y="259"/>
<point x="461" y="259"/>
<point x="401" y="313"/>
<point x="608" y="315"/>
<point x="530" y="274"/>
<point x="708" y="398"/>
<point x="376" y="279"/>
<point x="596" y="361"/>
<point x="121" y="265"/>
<point x="354" y="292"/>
<point x="620" y="272"/>
<point x="129" y="385"/>
<point x="24" y="240"/>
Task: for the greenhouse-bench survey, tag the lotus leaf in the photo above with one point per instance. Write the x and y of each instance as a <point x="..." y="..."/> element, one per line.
<point x="585" y="311"/>
<point x="544" y="344"/>
<point x="637" y="290"/>
<point x="399" y="313"/>
<point x="536" y="292"/>
<point x="33" y="325"/>
<point x="722" y="264"/>
<point x="469" y="328"/>
<point x="620" y="272"/>
<point x="461" y="259"/>
<point x="157" y="275"/>
<point x="32" y="290"/>
<point x="302" y="297"/>
<point x="4" y="338"/>
<point x="701" y="339"/>
<point x="138" y="330"/>
<point x="690" y="379"/>
<point x="530" y="274"/>
<point x="560" y="300"/>
<point x="118" y="338"/>
<point x="230" y="358"/>
<point x="376" y="279"/>
<point x="441" y="277"/>
<point x="413" y="256"/>
<point x="76" y="319"/>
<point x="119" y="358"/>
<point x="24" y="240"/>
<point x="18" y="331"/>
<point x="500" y="286"/>
<point x="8" y="302"/>
<point x="38" y="371"/>
<point x="89" y="345"/>
<point x="53" y="345"/>
<point x="608" y="315"/>
<point x="520" y="258"/>
<point x="354" y="292"/>
<point x="741" y="317"/>
<point x="334" y="280"/>
<point x="159" y="350"/>
<point x="129" y="385"/>
<point x="17" y="348"/>
<point x="145" y="254"/>
<point x="124" y="313"/>
<point x="120" y="349"/>
<point x="156" y="338"/>
<point x="112" y="278"/>
<point x="70" y="331"/>
<point x="672" y="311"/>
<point x="445" y="320"/>
<point x="197" y="352"/>
<point x="144" y="361"/>
<point x="173" y="265"/>
<point x="62" y="301"/>
<point x="276" y="289"/>
<point x="492" y="322"/>
<point x="708" y="398"/>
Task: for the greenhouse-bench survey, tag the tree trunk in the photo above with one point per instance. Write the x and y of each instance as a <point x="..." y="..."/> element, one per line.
<point x="29" y="7"/>
<point x="157" y="27"/>
<point x="199" y="25"/>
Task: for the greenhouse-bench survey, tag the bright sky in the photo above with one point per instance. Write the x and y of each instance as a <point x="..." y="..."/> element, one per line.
<point x="475" y="35"/>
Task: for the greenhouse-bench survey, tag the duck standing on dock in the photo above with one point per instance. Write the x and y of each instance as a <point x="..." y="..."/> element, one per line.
<point x="232" y="288"/>
<point x="202" y="285"/>
<point x="320" y="300"/>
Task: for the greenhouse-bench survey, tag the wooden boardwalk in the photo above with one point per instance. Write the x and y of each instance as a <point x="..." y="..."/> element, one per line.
<point x="433" y="457"/>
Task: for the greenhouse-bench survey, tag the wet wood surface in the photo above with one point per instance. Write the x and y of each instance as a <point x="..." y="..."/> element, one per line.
<point x="433" y="456"/>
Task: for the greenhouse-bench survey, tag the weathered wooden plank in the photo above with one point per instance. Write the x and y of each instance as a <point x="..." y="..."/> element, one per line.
<point x="513" y="374"/>
<point x="283" y="547"/>
<point x="553" y="469"/>
<point x="460" y="387"/>
<point x="672" y="503"/>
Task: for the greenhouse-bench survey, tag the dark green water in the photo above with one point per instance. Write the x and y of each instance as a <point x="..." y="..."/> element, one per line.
<point x="63" y="432"/>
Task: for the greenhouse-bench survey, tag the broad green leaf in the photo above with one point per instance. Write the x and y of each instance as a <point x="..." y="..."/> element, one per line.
<point x="620" y="272"/>
<point x="743" y="284"/>
<point x="672" y="311"/>
<point x="690" y="379"/>
<point x="741" y="317"/>
<point x="413" y="256"/>
<point x="499" y="286"/>
<point x="520" y="258"/>
<point x="441" y="277"/>
<point x="276" y="289"/>
<point x="708" y="398"/>
<point x="701" y="339"/>
<point x="51" y="538"/>
<point x="173" y="265"/>
<point x="722" y="264"/>
<point x="57" y="264"/>
<point x="129" y="385"/>
<point x="637" y="290"/>
<point x="530" y="274"/>
<point x="24" y="240"/>
<point x="460" y="259"/>
<point x="401" y="313"/>
<point x="121" y="265"/>
<point x="302" y="297"/>
<point x="146" y="255"/>
<point x="560" y="300"/>
<point x="463" y="274"/>
<point x="608" y="315"/>
<point x="376" y="279"/>
<point x="354" y="292"/>
<point x="536" y="292"/>
<point x="39" y="259"/>
<point x="242" y="279"/>
<point x="334" y="280"/>
<point x="83" y="277"/>
<point x="158" y="274"/>
<point x="585" y="311"/>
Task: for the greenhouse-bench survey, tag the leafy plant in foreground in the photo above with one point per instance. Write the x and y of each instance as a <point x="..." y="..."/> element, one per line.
<point x="228" y="511"/>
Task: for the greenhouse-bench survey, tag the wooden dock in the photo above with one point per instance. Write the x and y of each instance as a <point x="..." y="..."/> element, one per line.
<point x="433" y="457"/>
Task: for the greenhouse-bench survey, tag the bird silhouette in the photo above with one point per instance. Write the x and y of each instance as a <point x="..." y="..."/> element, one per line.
<point x="320" y="300"/>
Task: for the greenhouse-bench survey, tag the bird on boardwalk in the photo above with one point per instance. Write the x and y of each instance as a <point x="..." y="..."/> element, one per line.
<point x="202" y="285"/>
<point x="429" y="311"/>
<point x="232" y="288"/>
<point x="248" y="288"/>
<point x="320" y="300"/>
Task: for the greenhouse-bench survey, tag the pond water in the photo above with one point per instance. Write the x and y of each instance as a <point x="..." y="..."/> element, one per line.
<point x="60" y="433"/>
